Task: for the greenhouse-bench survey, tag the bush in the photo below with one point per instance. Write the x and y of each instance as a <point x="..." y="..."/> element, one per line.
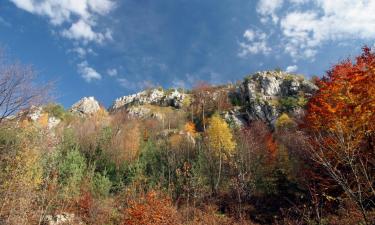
<point x="284" y="122"/>
<point x="288" y="104"/>
<point x="55" y="110"/>
<point x="152" y="208"/>
<point x="71" y="167"/>
<point x="101" y="185"/>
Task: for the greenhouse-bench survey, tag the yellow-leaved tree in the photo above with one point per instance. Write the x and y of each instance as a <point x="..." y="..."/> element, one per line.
<point x="220" y="141"/>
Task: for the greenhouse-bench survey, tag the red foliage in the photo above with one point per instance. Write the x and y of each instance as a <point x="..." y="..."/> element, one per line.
<point x="271" y="145"/>
<point x="151" y="209"/>
<point x="345" y="101"/>
<point x="84" y="204"/>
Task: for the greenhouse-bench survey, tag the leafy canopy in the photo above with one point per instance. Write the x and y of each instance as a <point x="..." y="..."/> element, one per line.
<point x="220" y="136"/>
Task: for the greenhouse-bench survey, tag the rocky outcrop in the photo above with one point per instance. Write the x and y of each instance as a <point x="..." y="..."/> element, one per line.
<point x="144" y="112"/>
<point x="267" y="94"/>
<point x="86" y="106"/>
<point x="35" y="114"/>
<point x="235" y="118"/>
<point x="159" y="97"/>
<point x="62" y="219"/>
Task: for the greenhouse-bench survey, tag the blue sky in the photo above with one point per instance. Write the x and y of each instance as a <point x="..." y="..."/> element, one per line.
<point x="111" y="48"/>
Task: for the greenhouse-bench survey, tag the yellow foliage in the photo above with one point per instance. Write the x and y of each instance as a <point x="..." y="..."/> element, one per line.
<point x="220" y="136"/>
<point x="43" y="120"/>
<point x="284" y="121"/>
<point x="102" y="112"/>
<point x="175" y="141"/>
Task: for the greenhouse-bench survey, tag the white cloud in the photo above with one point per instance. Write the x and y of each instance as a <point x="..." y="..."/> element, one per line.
<point x="60" y="11"/>
<point x="81" y="30"/>
<point x="299" y="1"/>
<point x="267" y="9"/>
<point x="82" y="52"/>
<point x="87" y="72"/>
<point x="77" y="20"/>
<point x="335" y="20"/>
<point x="249" y="35"/>
<point x="291" y="69"/>
<point x="305" y="30"/>
<point x="80" y="15"/>
<point x="112" y="72"/>
<point x="255" y="43"/>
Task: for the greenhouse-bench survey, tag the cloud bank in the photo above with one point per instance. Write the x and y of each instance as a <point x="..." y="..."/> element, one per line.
<point x="304" y="26"/>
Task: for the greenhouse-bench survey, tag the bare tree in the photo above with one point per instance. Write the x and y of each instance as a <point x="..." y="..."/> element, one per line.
<point x="202" y="94"/>
<point x="350" y="164"/>
<point x="18" y="91"/>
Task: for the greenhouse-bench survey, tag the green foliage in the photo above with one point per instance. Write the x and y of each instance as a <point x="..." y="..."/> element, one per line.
<point x="288" y="104"/>
<point x="101" y="185"/>
<point x="152" y="164"/>
<point x="71" y="167"/>
<point x="284" y="121"/>
<point x="55" y="110"/>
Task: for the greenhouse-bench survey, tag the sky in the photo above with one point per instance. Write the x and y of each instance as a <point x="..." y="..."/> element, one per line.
<point x="111" y="48"/>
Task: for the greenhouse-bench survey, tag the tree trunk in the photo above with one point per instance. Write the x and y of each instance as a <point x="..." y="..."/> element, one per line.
<point x="219" y="176"/>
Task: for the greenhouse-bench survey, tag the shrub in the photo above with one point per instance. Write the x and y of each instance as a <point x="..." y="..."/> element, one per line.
<point x="288" y="104"/>
<point x="71" y="167"/>
<point x="152" y="208"/>
<point x="284" y="121"/>
<point x="55" y="110"/>
<point x="101" y="185"/>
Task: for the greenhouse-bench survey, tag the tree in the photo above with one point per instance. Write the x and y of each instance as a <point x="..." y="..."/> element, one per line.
<point x="17" y="89"/>
<point x="220" y="140"/>
<point x="340" y="120"/>
<point x="202" y="101"/>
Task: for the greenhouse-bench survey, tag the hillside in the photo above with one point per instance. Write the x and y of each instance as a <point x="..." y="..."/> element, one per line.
<point x="252" y="152"/>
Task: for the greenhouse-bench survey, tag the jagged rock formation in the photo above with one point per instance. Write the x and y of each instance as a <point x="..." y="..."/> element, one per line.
<point x="34" y="114"/>
<point x="86" y="106"/>
<point x="261" y="96"/>
<point x="267" y="94"/>
<point x="160" y="97"/>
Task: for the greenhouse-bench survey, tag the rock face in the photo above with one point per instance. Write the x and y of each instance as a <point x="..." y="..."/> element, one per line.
<point x="62" y="219"/>
<point x="261" y="96"/>
<point x="35" y="114"/>
<point x="158" y="97"/>
<point x="267" y="94"/>
<point x="86" y="106"/>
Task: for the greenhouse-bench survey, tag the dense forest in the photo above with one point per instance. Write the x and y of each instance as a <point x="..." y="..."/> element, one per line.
<point x="310" y="159"/>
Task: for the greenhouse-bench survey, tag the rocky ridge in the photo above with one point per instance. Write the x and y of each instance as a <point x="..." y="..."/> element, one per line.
<point x="160" y="97"/>
<point x="86" y="106"/>
<point x="268" y="94"/>
<point x="262" y="96"/>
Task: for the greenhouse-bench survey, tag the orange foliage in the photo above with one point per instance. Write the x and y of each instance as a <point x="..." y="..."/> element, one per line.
<point x="126" y="142"/>
<point x="345" y="102"/>
<point x="341" y="118"/>
<point x="151" y="209"/>
<point x="190" y="128"/>
<point x="271" y="145"/>
<point x="43" y="120"/>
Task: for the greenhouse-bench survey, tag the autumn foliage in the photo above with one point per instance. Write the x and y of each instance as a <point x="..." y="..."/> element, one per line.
<point x="340" y="122"/>
<point x="152" y="208"/>
<point x="188" y="165"/>
<point x="346" y="99"/>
